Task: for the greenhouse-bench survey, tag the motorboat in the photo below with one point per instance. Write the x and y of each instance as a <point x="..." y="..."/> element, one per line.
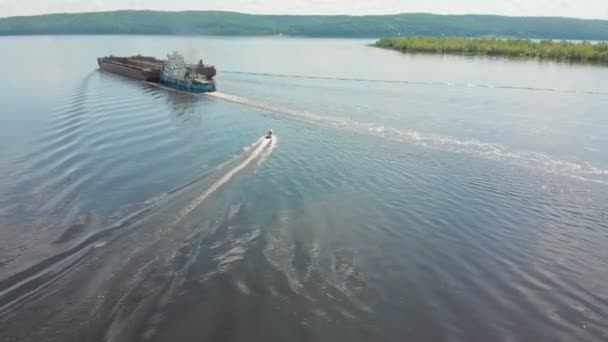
<point x="269" y="134"/>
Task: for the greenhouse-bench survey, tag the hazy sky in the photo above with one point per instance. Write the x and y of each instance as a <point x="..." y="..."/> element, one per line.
<point x="571" y="8"/>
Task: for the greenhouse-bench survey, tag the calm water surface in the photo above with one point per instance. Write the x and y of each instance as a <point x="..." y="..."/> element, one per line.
<point x="406" y="197"/>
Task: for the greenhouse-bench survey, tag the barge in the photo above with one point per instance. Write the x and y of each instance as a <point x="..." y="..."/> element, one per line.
<point x="172" y="72"/>
<point x="137" y="67"/>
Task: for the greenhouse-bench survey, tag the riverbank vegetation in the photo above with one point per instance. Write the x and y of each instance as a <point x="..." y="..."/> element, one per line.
<point x="365" y="26"/>
<point x="543" y="49"/>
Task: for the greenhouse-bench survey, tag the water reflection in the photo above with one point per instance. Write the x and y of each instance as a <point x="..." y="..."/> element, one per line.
<point x="185" y="108"/>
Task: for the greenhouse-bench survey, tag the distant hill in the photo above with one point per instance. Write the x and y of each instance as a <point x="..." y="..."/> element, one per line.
<point x="370" y="26"/>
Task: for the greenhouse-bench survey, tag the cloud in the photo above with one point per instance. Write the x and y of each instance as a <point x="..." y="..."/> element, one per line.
<point x="571" y="8"/>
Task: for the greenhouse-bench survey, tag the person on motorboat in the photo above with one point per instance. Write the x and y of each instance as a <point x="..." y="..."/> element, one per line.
<point x="269" y="134"/>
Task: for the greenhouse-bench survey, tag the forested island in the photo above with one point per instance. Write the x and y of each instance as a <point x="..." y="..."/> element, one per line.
<point x="367" y="26"/>
<point x="543" y="49"/>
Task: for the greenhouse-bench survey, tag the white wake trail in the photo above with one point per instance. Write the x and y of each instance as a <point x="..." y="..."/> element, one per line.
<point x="256" y="150"/>
<point x="580" y="170"/>
<point x="273" y="144"/>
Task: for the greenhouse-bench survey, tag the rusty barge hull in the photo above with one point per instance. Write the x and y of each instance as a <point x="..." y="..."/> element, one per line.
<point x="136" y="67"/>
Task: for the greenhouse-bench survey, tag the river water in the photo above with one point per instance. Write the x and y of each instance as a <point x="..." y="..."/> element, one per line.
<point x="405" y="197"/>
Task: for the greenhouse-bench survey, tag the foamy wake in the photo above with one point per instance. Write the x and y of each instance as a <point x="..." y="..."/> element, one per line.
<point x="267" y="152"/>
<point x="254" y="151"/>
<point x="584" y="171"/>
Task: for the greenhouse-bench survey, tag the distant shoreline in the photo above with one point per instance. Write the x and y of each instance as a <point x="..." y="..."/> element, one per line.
<point x="217" y="23"/>
<point x="560" y="51"/>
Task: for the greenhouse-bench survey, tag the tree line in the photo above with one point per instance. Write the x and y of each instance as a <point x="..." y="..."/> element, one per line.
<point x="596" y="52"/>
<point x="369" y="26"/>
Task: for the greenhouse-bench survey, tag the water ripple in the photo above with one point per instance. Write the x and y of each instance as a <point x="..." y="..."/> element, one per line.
<point x="580" y="170"/>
